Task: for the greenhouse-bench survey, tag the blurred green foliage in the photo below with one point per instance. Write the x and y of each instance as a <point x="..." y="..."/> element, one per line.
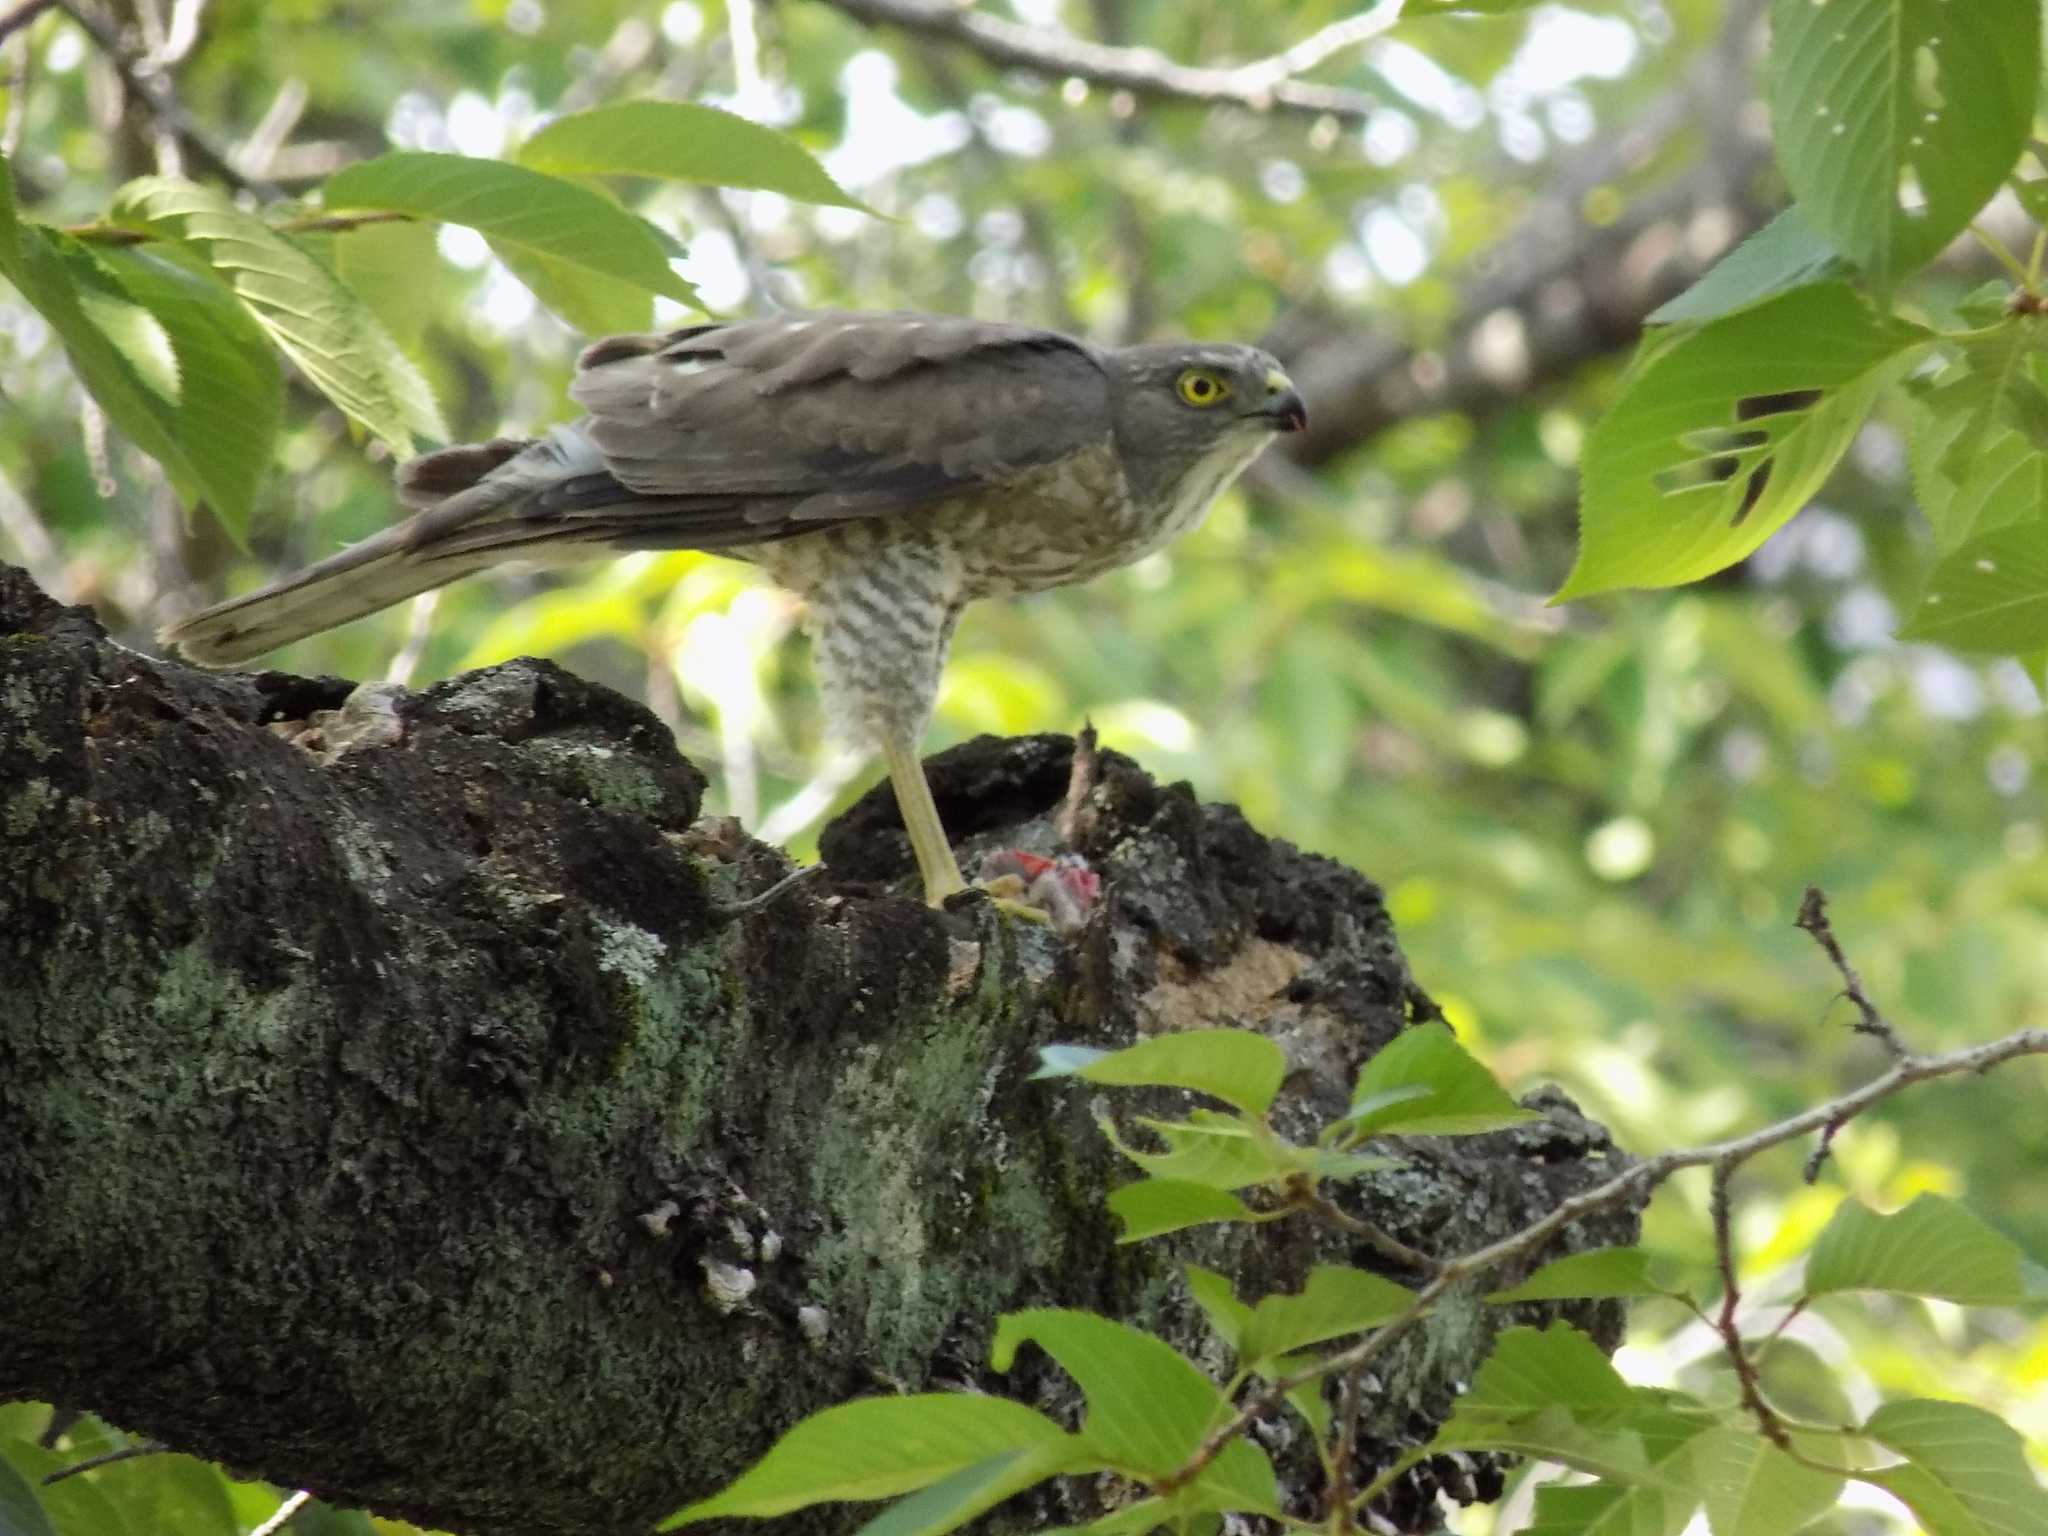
<point x="1593" y="822"/>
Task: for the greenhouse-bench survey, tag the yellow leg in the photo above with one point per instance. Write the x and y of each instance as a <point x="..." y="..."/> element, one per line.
<point x="935" y="859"/>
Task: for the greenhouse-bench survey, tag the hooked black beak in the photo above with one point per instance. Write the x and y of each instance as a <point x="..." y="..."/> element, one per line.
<point x="1283" y="407"/>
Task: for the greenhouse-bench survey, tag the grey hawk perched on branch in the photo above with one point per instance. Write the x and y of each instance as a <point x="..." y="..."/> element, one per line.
<point x="888" y="468"/>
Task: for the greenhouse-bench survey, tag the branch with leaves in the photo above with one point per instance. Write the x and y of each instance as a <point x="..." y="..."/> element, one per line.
<point x="1154" y="1418"/>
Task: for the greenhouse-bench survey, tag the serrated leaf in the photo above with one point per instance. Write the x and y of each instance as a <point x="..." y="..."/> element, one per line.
<point x="1151" y="1207"/>
<point x="1218" y="1301"/>
<point x="1602" y="1272"/>
<point x="1988" y="594"/>
<point x="1336" y="1300"/>
<point x="877" y="1448"/>
<point x="554" y="221"/>
<point x="1896" y="120"/>
<point x="396" y="268"/>
<point x="1221" y="1151"/>
<point x="1989" y="384"/>
<point x="2005" y="483"/>
<point x="1934" y="1247"/>
<point x="1786" y="253"/>
<point x="323" y="327"/>
<point x="1965" y="1472"/>
<point x="677" y="141"/>
<point x="1535" y="1368"/>
<point x="230" y="390"/>
<point x="1240" y="1068"/>
<point x="1148" y="1407"/>
<point x="1755" y="1489"/>
<point x="1727" y="433"/>
<point x="1458" y="1096"/>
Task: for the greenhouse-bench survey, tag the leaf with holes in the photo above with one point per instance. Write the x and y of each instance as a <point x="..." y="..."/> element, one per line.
<point x="325" y="328"/>
<point x="1988" y="594"/>
<point x="1896" y="120"/>
<point x="1727" y="433"/>
<point x="677" y="141"/>
<point x="1786" y="253"/>
<point x="1934" y="1247"/>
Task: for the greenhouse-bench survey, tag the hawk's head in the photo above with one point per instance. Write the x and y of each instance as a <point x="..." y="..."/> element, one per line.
<point x="1199" y="410"/>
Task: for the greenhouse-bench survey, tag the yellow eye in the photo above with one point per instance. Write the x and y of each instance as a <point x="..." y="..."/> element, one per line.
<point x="1198" y="386"/>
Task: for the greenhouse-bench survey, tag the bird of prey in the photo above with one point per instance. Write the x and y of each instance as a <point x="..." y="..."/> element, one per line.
<point x="889" y="468"/>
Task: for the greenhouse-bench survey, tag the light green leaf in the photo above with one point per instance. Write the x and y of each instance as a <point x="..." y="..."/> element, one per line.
<point x="1755" y="1489"/>
<point x="77" y="1506"/>
<point x="21" y="1512"/>
<point x="172" y="1493"/>
<point x="558" y="222"/>
<point x="1934" y="1247"/>
<point x="587" y="301"/>
<point x="1531" y="1369"/>
<point x="1896" y="120"/>
<point x="1336" y="1300"/>
<point x="396" y="269"/>
<point x="1602" y="1272"/>
<point x="1609" y="1509"/>
<point x="1306" y="1399"/>
<point x="1219" y="1150"/>
<point x="1965" y="1472"/>
<point x="972" y="1491"/>
<point x="879" y="1447"/>
<point x="229" y="389"/>
<point x="1988" y="594"/>
<point x="1213" y="1294"/>
<point x="1458" y="1096"/>
<point x="2005" y="483"/>
<point x="1132" y="1520"/>
<point x="1989" y="384"/>
<point x="1785" y="253"/>
<point x="1148" y="1408"/>
<point x="1727" y="433"/>
<point x="1239" y="1479"/>
<point x="676" y="141"/>
<point x="320" y="325"/>
<point x="1151" y="1207"/>
<point x="1234" y="1065"/>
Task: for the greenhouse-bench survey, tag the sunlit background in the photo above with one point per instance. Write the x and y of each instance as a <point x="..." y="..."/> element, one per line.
<point x="1593" y="823"/>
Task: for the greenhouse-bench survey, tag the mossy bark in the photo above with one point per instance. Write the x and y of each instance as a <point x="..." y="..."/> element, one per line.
<point x="397" y="1108"/>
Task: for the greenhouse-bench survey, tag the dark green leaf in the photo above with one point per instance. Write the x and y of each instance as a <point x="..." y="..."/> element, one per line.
<point x="676" y="141"/>
<point x="1896" y="120"/>
<point x="21" y="1512"/>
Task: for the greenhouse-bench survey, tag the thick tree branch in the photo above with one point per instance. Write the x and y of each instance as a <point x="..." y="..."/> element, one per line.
<point x="1264" y="85"/>
<point x="408" y="1103"/>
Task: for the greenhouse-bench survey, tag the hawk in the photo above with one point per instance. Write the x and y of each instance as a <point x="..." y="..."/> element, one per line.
<point x="889" y="468"/>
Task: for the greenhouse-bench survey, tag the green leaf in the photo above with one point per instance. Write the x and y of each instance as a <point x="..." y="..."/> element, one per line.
<point x="1755" y="1489"/>
<point x="1988" y="594"/>
<point x="320" y="325"/>
<point x="1148" y="1408"/>
<point x="1213" y="1294"/>
<point x="77" y="1506"/>
<point x="879" y="1447"/>
<point x="1609" y="1509"/>
<point x="1234" y="1065"/>
<point x="675" y="141"/>
<point x="1239" y="1479"/>
<point x="1785" y="253"/>
<point x="1896" y="120"/>
<point x="1934" y="1247"/>
<point x="396" y="269"/>
<point x="1727" y="433"/>
<point x="1989" y="384"/>
<point x="972" y="1491"/>
<point x="1531" y="1369"/>
<point x="1457" y="1096"/>
<point x="172" y="1493"/>
<point x="587" y="301"/>
<point x="1336" y="1300"/>
<point x="1151" y="1207"/>
<point x="21" y="1512"/>
<point x="1602" y="1272"/>
<point x="2006" y="482"/>
<point x="556" y="222"/>
<point x="1965" y="1472"/>
<point x="229" y="399"/>
<point x="10" y="220"/>
<point x="1221" y="1151"/>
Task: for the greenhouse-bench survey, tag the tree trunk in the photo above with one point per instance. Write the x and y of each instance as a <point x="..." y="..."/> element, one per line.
<point x="392" y="1105"/>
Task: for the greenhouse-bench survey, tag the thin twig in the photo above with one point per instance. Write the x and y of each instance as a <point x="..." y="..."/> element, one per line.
<point x="1261" y="86"/>
<point x="283" y="1514"/>
<point x="106" y="1459"/>
<point x="1767" y="1422"/>
<point x="1382" y="1243"/>
<point x="1813" y="919"/>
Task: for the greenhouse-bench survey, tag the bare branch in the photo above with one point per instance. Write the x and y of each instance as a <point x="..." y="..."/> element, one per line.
<point x="1813" y="919"/>
<point x="1265" y="85"/>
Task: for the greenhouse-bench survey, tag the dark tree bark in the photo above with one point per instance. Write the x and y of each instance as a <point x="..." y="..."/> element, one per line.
<point x="392" y="1106"/>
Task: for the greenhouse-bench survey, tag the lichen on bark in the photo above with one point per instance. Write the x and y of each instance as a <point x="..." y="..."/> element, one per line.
<point x="399" y="1109"/>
